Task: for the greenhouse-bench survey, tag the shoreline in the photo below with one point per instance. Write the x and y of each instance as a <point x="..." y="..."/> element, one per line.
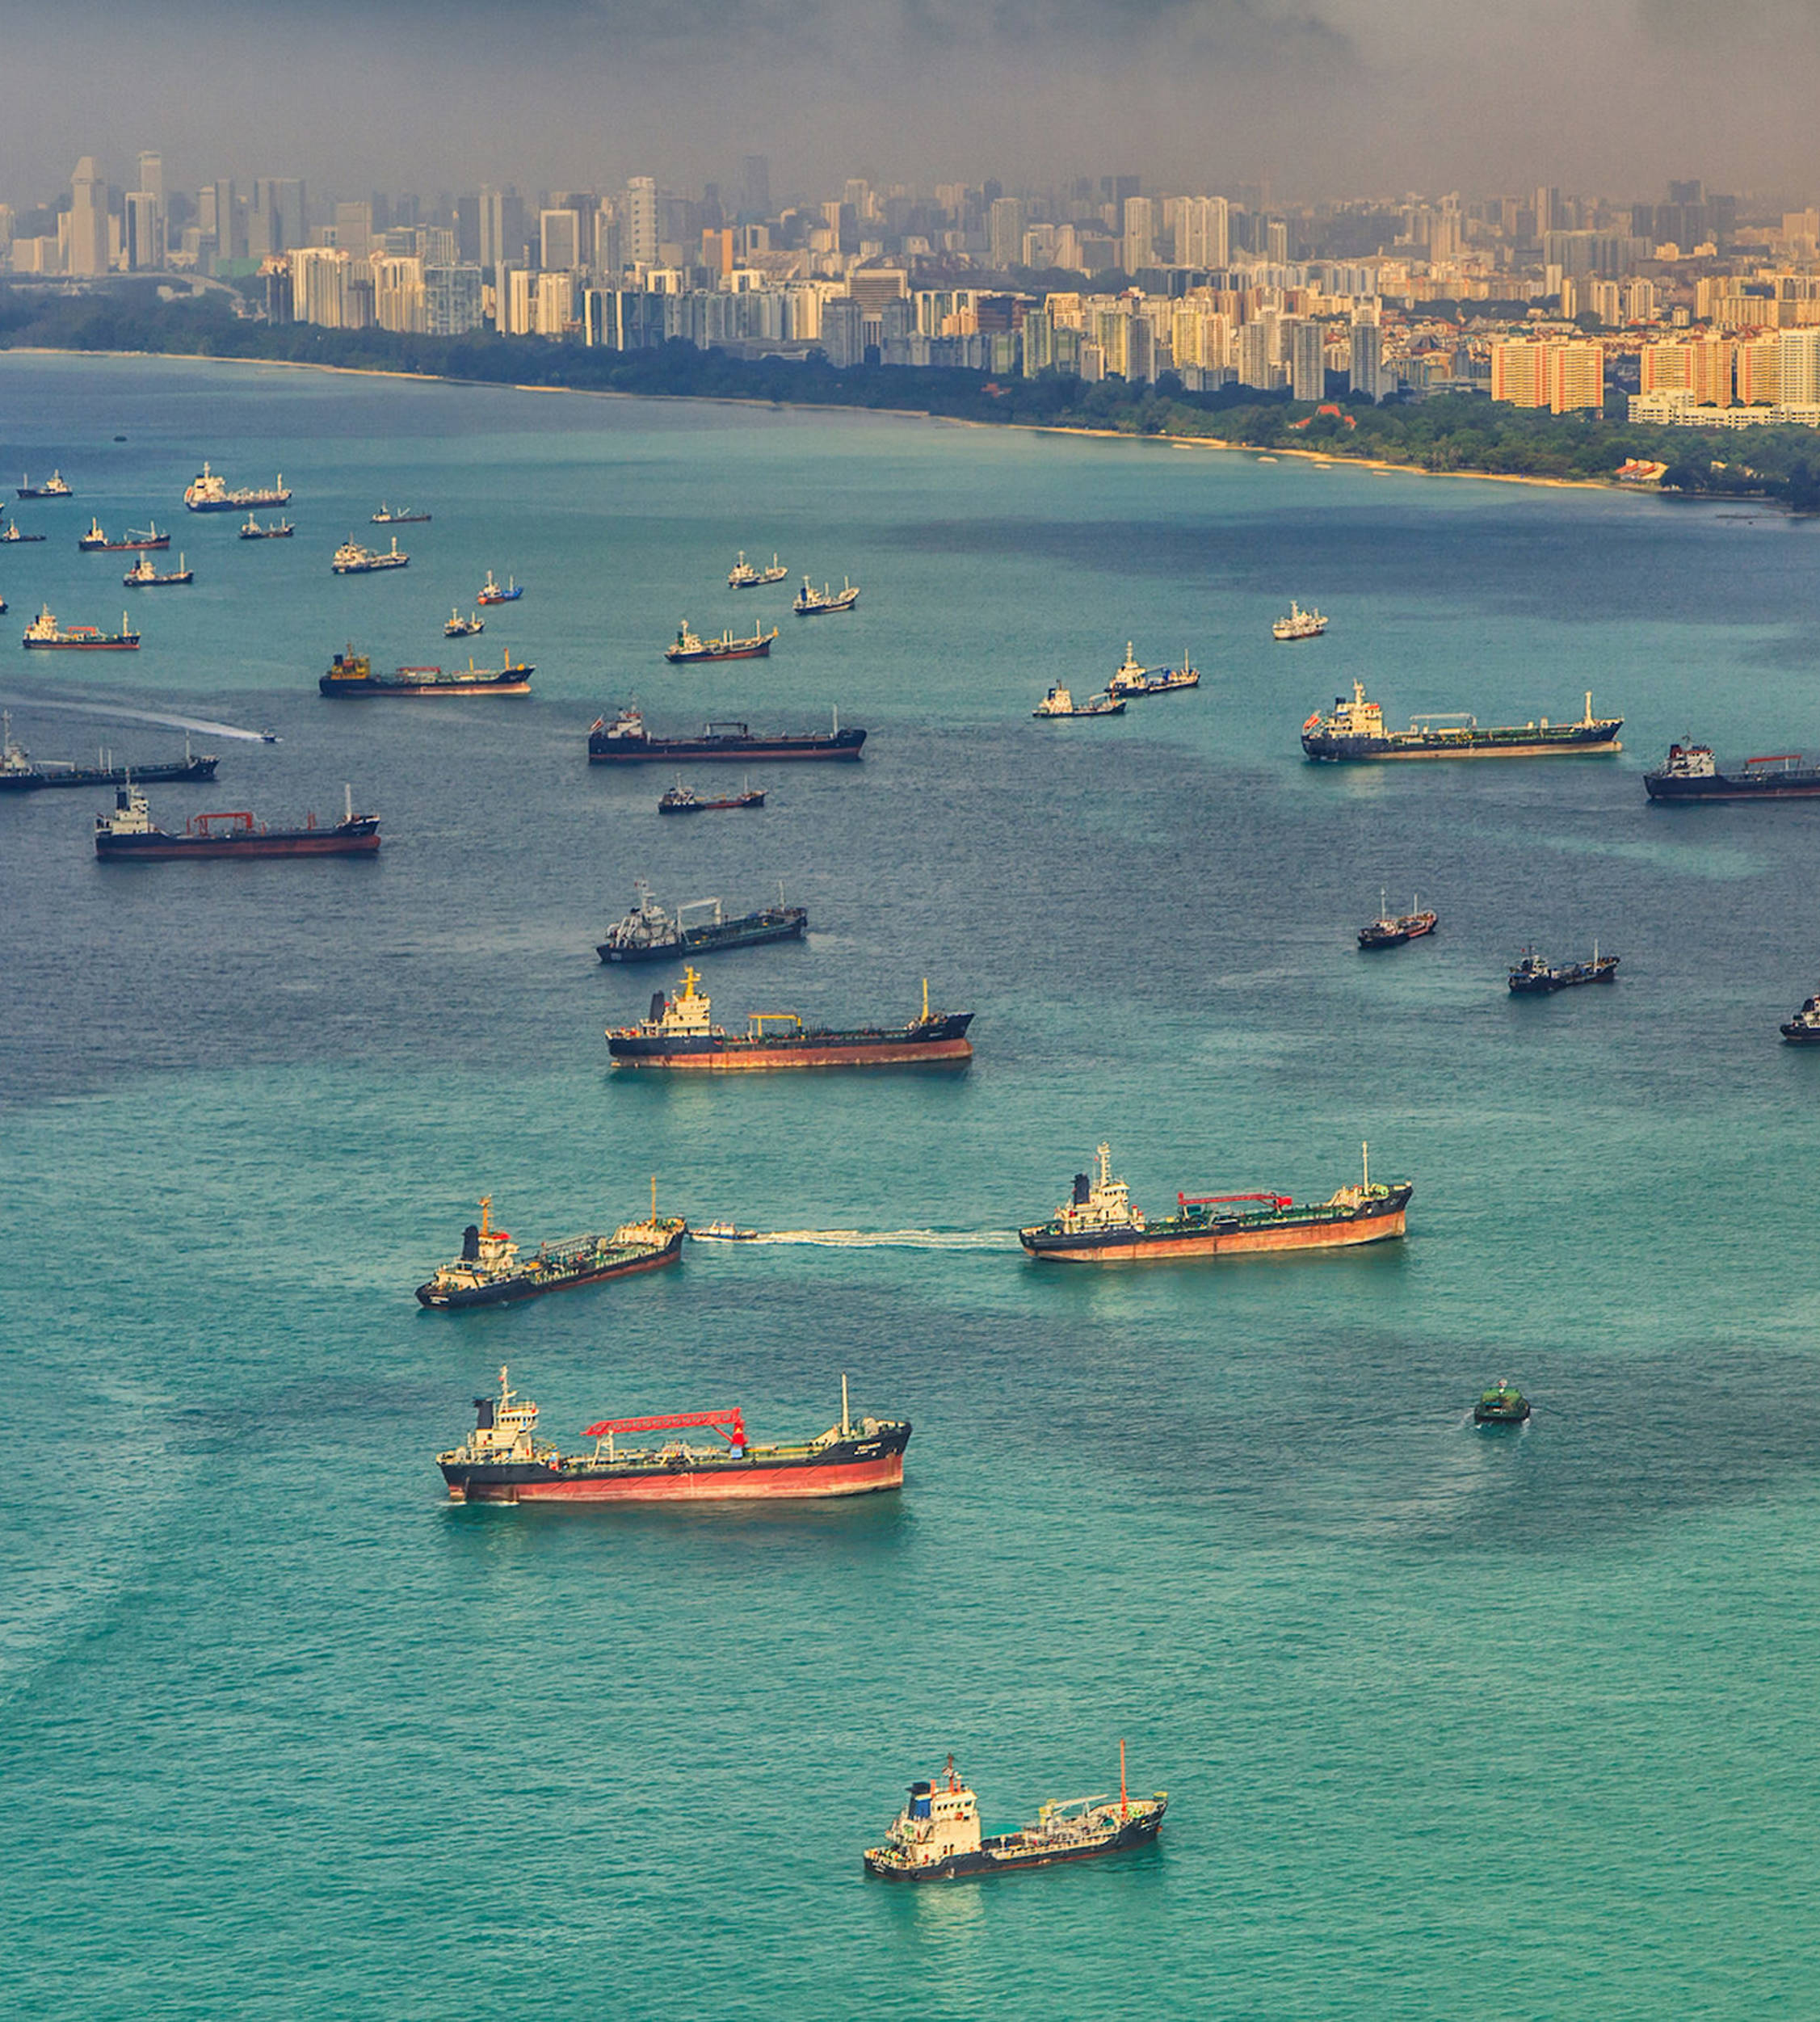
<point x="1226" y="443"/>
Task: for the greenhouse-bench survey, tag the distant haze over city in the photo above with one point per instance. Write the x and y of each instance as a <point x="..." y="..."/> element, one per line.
<point x="1331" y="98"/>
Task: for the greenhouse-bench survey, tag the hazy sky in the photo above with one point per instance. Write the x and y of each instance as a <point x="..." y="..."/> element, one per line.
<point x="1324" y="97"/>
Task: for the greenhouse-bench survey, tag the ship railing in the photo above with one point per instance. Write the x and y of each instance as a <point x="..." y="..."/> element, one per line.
<point x="1447" y="719"/>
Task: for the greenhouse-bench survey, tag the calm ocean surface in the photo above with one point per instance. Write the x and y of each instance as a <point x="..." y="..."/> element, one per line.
<point x="1452" y="1724"/>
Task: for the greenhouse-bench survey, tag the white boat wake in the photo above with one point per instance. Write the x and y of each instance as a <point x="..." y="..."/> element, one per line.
<point x="199" y="724"/>
<point x="893" y="1238"/>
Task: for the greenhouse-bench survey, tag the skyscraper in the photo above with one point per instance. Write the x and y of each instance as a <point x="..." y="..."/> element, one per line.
<point x="151" y="178"/>
<point x="1139" y="234"/>
<point x="88" y="220"/>
<point x="559" y="239"/>
<point x="1204" y="233"/>
<point x="145" y="231"/>
<point x="354" y="229"/>
<point x="640" y="223"/>
<point x="1308" y="363"/>
<point x="1007" y="229"/>
<point x="755" y="175"/>
<point x="1367" y="360"/>
<point x="452" y="300"/>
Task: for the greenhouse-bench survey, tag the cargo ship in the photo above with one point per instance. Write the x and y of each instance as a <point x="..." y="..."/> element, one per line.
<point x="1803" y="1029"/>
<point x="489" y="1271"/>
<point x="351" y="559"/>
<point x="1391" y="930"/>
<point x="1097" y="1224"/>
<point x="682" y="800"/>
<point x="11" y="536"/>
<point x="1356" y="730"/>
<point x="626" y="741"/>
<point x="208" y="492"/>
<point x="143" y="576"/>
<point x="1060" y="701"/>
<point x="95" y="541"/>
<point x="490" y="591"/>
<point x="819" y="603"/>
<point x="1534" y="977"/>
<point x="649" y="934"/>
<point x="744" y="576"/>
<point x="44" y="631"/>
<point x="351" y="674"/>
<point x="1132" y="679"/>
<point x="936" y="1837"/>
<point x="386" y="517"/>
<point x="502" y="1460"/>
<point x="1299" y="624"/>
<point x="18" y="775"/>
<point x="460" y="627"/>
<point x="56" y="485"/>
<point x="280" y="530"/>
<point x="1691" y="773"/>
<point x="128" y="834"/>
<point x="678" y="1034"/>
<point x="688" y="649"/>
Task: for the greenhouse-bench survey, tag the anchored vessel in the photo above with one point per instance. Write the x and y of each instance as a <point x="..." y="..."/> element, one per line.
<point x="817" y="603"/>
<point x="44" y="631"/>
<point x="1131" y="680"/>
<point x="351" y="674"/>
<point x="1803" y="1029"/>
<point x="94" y="541"/>
<point x="1690" y="773"/>
<point x="626" y="741"/>
<point x="1060" y="701"/>
<point x="351" y="559"/>
<point x="209" y="493"/>
<point x="649" y="934"/>
<point x="18" y="775"/>
<point x="128" y="834"/>
<point x="460" y="627"/>
<point x="12" y="535"/>
<point x="1504" y="1404"/>
<point x="1356" y="730"/>
<point x="743" y="576"/>
<point x="681" y="799"/>
<point x="502" y="1460"/>
<point x="689" y="648"/>
<point x="143" y="576"/>
<point x="386" y="517"/>
<point x="280" y="530"/>
<point x="1097" y="1224"/>
<point x="490" y="591"/>
<point x="56" y="485"/>
<point x="1299" y="624"/>
<point x="490" y="1270"/>
<point x="1533" y="977"/>
<point x="677" y="1033"/>
<point x="936" y="1837"/>
<point x="1391" y="930"/>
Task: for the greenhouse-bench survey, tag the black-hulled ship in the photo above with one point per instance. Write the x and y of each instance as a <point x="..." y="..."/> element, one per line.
<point x="1391" y="930"/>
<point x="936" y="1837"/>
<point x="1803" y="1029"/>
<point x="490" y="1270"/>
<point x="56" y="485"/>
<point x="1355" y="730"/>
<point x="626" y="741"/>
<point x="683" y="799"/>
<point x="352" y="674"/>
<point x="1691" y="773"/>
<point x="680" y="1033"/>
<point x="649" y="934"/>
<point x="19" y="775"/>
<point x="1535" y="977"/>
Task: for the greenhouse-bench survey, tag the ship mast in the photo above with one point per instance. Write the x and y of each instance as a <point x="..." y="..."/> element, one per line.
<point x="1366" y="1151"/>
<point x="846" y="1423"/>
<point x="1122" y="1805"/>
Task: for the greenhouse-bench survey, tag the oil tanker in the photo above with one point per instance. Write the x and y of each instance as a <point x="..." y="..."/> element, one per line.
<point x="626" y="741"/>
<point x="19" y="775"/>
<point x="128" y="834"/>
<point x="1691" y="773"/>
<point x="489" y="1271"/>
<point x="502" y="1460"/>
<point x="649" y="934"/>
<point x="1097" y="1224"/>
<point x="351" y="674"/>
<point x="677" y="1034"/>
<point x="1355" y="730"/>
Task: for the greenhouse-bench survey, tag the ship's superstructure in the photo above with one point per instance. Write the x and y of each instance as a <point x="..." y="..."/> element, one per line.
<point x="1355" y="730"/>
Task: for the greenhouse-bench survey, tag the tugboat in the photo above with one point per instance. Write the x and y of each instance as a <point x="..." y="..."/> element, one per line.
<point x="1803" y="1029"/>
<point x="489" y="1271"/>
<point x="681" y="799"/>
<point x="351" y="559"/>
<point x="18" y="775"/>
<point x="54" y="486"/>
<point x="1131" y="680"/>
<point x="281" y="530"/>
<point x="1097" y="1224"/>
<point x="743" y="576"/>
<point x="1299" y="624"/>
<point x="143" y="576"/>
<point x="386" y="517"/>
<point x="1059" y="701"/>
<point x="936" y="1837"/>
<point x="1356" y="730"/>
<point x="351" y="674"/>
<point x="1533" y="977"/>
<point x="1391" y="930"/>
<point x="1690" y="773"/>
<point x="648" y="933"/>
<point x="677" y="1034"/>
<point x="502" y="1460"/>
<point x="813" y="603"/>
<point x="460" y="627"/>
<point x="688" y="648"/>
<point x="128" y="834"/>
<point x="95" y="542"/>
<point x="1504" y="1404"/>
<point x="209" y="494"/>
<point x="626" y="741"/>
<point x="490" y="591"/>
<point x="44" y="631"/>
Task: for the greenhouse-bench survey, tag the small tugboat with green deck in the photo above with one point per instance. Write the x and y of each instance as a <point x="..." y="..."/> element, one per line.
<point x="1504" y="1404"/>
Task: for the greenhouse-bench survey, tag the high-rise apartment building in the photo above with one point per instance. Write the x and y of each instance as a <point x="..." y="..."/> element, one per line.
<point x="501" y="228"/>
<point x="554" y="309"/>
<point x="1005" y="227"/>
<point x="143" y="231"/>
<point x="755" y="177"/>
<point x="1798" y="366"/>
<point x="1203" y="232"/>
<point x="452" y="300"/>
<point x="399" y="297"/>
<point x="1366" y="373"/>
<point x="1308" y="364"/>
<point x="88" y="220"/>
<point x="151" y="178"/>
<point x="559" y="241"/>
<point x="1255" y="366"/>
<point x="1140" y="239"/>
<point x="1562" y="374"/>
<point x="354" y="229"/>
<point x="641" y="221"/>
<point x="318" y="278"/>
<point x="843" y="332"/>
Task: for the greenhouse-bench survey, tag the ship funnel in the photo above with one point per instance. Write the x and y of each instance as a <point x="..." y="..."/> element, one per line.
<point x="471" y="1247"/>
<point x="483" y="1414"/>
<point x="1083" y="1188"/>
<point x="657" y="1005"/>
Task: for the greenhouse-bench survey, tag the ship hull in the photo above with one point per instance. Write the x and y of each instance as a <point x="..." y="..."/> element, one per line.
<point x="197" y="770"/>
<point x="945" y="1043"/>
<point x="81" y="646"/>
<point x="1799" y="1034"/>
<point x="239" y="502"/>
<point x="1796" y="786"/>
<point x="1002" y="1855"/>
<point x="852" y="1467"/>
<point x="711" y="940"/>
<point x="1598" y="740"/>
<point x="511" y="1291"/>
<point x="509" y="684"/>
<point x="154" y="849"/>
<point x="1318" y="1229"/>
<point x="606" y="750"/>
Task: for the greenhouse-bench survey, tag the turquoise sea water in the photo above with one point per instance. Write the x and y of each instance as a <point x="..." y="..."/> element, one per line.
<point x="1453" y="1725"/>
